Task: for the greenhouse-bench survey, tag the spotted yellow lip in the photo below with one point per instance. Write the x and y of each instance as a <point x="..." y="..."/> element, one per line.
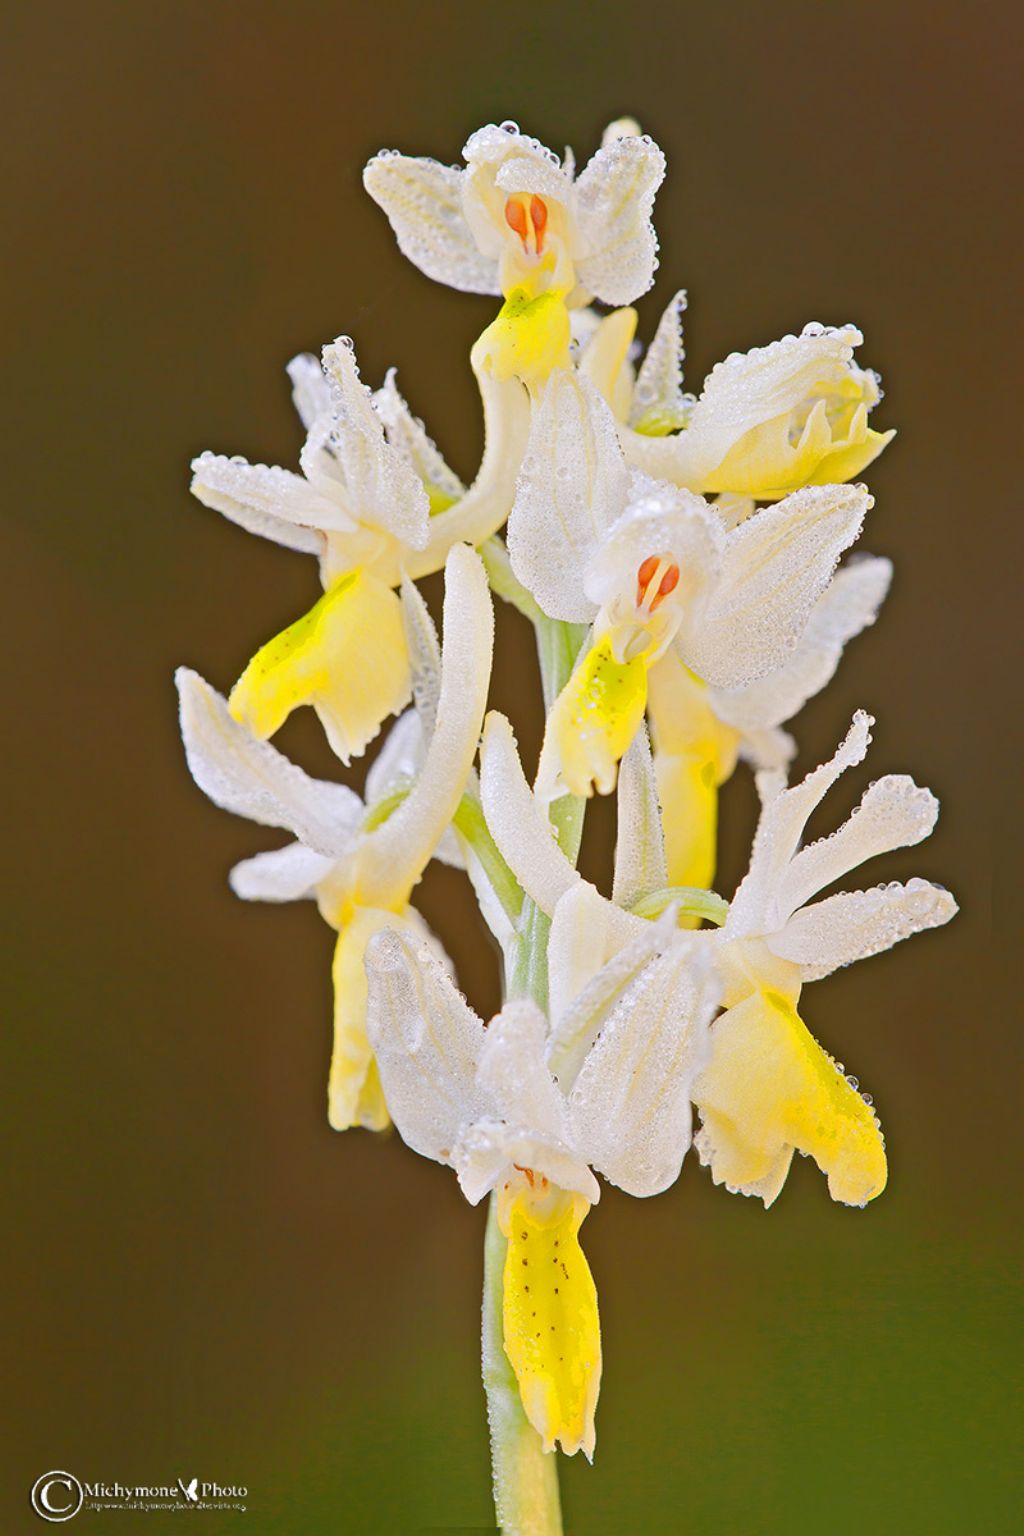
<point x="551" y="1325"/>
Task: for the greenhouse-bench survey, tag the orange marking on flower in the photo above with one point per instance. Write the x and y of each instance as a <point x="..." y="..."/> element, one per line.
<point x="656" y="577"/>
<point x="515" y="217"/>
<point x="528" y="217"/>
<point x="539" y="219"/>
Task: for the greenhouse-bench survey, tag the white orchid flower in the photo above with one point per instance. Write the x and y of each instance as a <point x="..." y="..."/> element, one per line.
<point x="769" y="1088"/>
<point x="518" y="217"/>
<point x="653" y="568"/>
<point x="371" y="478"/>
<point x="361" y="863"/>
<point x="766" y="423"/>
<point x="519" y="222"/>
<point x="529" y="1111"/>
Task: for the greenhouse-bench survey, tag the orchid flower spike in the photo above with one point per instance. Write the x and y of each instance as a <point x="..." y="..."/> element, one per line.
<point x="529" y="1111"/>
<point x="656" y="572"/>
<point x="375" y="501"/>
<point x="517" y="221"/>
<point x="766" y="423"/>
<point x="769" y="1088"/>
<point x="360" y="862"/>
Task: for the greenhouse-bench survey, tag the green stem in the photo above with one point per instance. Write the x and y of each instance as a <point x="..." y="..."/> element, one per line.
<point x="470" y="823"/>
<point x="525" y="1477"/>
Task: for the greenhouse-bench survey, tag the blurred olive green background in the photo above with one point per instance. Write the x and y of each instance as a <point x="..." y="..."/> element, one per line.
<point x="205" y="1280"/>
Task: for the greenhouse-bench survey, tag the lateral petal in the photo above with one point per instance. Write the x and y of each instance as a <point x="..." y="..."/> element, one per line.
<point x="423" y="203"/>
<point x="272" y="502"/>
<point x="618" y="249"/>
<point x="513" y="1071"/>
<point x="291" y="873"/>
<point x="630" y="1103"/>
<point x="594" y="950"/>
<point x="427" y="1041"/>
<point x="775" y="566"/>
<point x="848" y="605"/>
<point x="383" y="487"/>
<point x="856" y="924"/>
<point x="408" y="436"/>
<point x="253" y="779"/>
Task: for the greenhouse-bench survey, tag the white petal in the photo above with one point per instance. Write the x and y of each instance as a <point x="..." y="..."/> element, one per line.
<point x="856" y="924"/>
<point x="517" y="822"/>
<point x="427" y="1041"/>
<point x="848" y="605"/>
<point x="253" y="779"/>
<point x="311" y="392"/>
<point x="775" y="566"/>
<point x="893" y="813"/>
<point x="394" y="855"/>
<point x="399" y="760"/>
<point x="424" y="656"/>
<point x="784" y="814"/>
<point x="769" y="751"/>
<point x="594" y="951"/>
<point x="658" y="393"/>
<point x="535" y="173"/>
<point x="423" y="202"/>
<point x="513" y="1071"/>
<point x="490" y="1149"/>
<point x="659" y="520"/>
<point x="630" y="1104"/>
<point x="615" y="193"/>
<point x="640" y="866"/>
<point x="571" y="488"/>
<point x="382" y="486"/>
<point x="271" y="502"/>
<point x="408" y="436"/>
<point x="501" y="160"/>
<point x="291" y="873"/>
